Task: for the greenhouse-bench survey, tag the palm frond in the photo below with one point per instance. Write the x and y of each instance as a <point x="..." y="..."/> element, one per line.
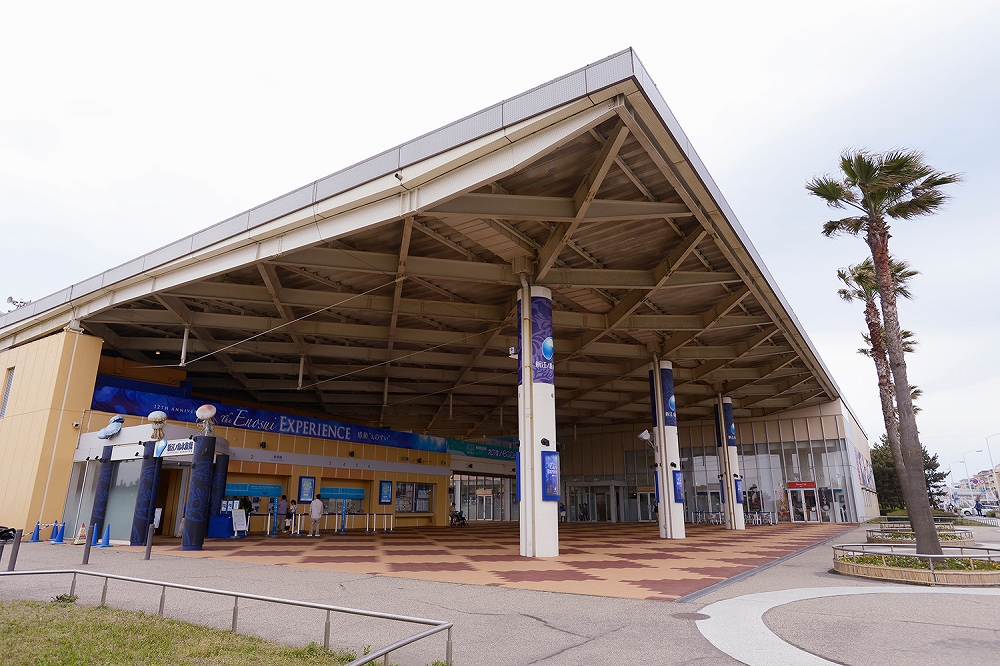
<point x="830" y="190"/>
<point x="924" y="203"/>
<point x="848" y="225"/>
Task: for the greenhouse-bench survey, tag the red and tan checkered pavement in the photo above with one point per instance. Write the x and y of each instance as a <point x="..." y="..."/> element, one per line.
<point x="613" y="560"/>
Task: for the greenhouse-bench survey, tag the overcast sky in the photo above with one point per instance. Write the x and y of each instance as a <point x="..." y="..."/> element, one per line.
<point x="124" y="127"/>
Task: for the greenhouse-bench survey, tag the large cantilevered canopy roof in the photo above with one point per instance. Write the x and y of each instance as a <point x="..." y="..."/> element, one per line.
<point x="390" y="287"/>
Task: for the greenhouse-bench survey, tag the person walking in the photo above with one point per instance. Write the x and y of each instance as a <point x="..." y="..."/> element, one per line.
<point x="282" y="511"/>
<point x="315" y="513"/>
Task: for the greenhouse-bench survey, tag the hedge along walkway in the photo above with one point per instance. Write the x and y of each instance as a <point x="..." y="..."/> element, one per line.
<point x="625" y="560"/>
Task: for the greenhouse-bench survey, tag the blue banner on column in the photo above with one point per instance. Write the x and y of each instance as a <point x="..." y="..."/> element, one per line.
<point x="550" y="476"/>
<point x="542" y="345"/>
<point x="718" y="426"/>
<point x="669" y="402"/>
<point x="727" y="412"/>
<point x="738" y="484"/>
<point x="678" y="486"/>
<point x="517" y="478"/>
<point x="656" y="486"/>
<point x="722" y="490"/>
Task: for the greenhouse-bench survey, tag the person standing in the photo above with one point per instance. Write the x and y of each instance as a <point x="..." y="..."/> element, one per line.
<point x="282" y="511"/>
<point x="292" y="510"/>
<point x="315" y="513"/>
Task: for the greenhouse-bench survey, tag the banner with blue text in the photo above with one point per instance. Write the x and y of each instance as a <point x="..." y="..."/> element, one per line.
<point x="139" y="403"/>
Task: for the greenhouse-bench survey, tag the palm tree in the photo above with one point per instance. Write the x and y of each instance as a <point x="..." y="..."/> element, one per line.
<point x="860" y="284"/>
<point x="879" y="186"/>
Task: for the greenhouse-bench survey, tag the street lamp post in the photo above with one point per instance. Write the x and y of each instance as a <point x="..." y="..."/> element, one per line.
<point x="993" y="469"/>
<point x="969" y="476"/>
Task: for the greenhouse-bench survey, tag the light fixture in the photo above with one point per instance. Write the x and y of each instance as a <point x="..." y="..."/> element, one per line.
<point x="420" y="460"/>
<point x="470" y="465"/>
<point x="263" y="445"/>
<point x="157" y="352"/>
<point x="673" y="464"/>
<point x="644" y="436"/>
<point x="545" y="442"/>
<point x="351" y="454"/>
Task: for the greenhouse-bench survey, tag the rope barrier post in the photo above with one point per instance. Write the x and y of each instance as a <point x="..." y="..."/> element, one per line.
<point x="90" y="542"/>
<point x="149" y="541"/>
<point x="104" y="592"/>
<point x="236" y="612"/>
<point x="326" y="632"/>
<point x="447" y="650"/>
<point x="163" y="600"/>
<point x="13" y="551"/>
<point x="72" y="586"/>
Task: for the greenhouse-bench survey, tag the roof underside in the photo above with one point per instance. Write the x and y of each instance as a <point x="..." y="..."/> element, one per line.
<point x="405" y="319"/>
<point x="430" y="352"/>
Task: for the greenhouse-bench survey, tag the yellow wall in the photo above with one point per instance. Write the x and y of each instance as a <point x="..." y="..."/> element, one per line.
<point x="53" y="384"/>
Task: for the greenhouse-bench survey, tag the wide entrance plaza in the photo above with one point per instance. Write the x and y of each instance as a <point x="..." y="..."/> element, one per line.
<point x="624" y="560"/>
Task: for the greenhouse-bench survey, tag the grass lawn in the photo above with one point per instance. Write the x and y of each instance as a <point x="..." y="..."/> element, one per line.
<point x="50" y="633"/>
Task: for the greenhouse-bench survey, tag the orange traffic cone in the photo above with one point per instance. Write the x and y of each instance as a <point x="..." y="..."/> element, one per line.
<point x="81" y="536"/>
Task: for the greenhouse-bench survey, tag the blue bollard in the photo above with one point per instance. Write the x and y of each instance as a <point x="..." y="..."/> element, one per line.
<point x="106" y="541"/>
<point x="34" y="535"/>
<point x="59" y="535"/>
<point x="55" y="531"/>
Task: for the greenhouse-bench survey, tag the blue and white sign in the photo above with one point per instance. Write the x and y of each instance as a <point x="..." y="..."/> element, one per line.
<point x="140" y="403"/>
<point x="342" y="493"/>
<point x="253" y="489"/>
<point x="738" y="484"/>
<point x="550" y="476"/>
<point x="385" y="492"/>
<point x="678" y="486"/>
<point x="542" y="346"/>
<point x="307" y="488"/>
<point x="174" y="447"/>
<point x="727" y="413"/>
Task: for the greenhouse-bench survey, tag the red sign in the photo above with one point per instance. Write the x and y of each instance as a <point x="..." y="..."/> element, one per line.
<point x="792" y="485"/>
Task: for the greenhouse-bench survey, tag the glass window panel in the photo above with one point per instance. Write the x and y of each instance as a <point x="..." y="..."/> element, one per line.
<point x="121" y="501"/>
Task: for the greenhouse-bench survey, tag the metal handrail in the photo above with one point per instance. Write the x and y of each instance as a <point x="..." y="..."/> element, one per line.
<point x="911" y="535"/>
<point x="845" y="551"/>
<point x="437" y="626"/>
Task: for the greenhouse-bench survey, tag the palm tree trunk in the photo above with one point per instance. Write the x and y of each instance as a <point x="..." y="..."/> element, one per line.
<point x="874" y="321"/>
<point x="914" y="483"/>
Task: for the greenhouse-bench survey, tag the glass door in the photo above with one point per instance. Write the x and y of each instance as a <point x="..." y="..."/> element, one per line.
<point x="484" y="507"/>
<point x="603" y="507"/>
<point x="795" y="506"/>
<point x="647" y="507"/>
<point x="809" y="504"/>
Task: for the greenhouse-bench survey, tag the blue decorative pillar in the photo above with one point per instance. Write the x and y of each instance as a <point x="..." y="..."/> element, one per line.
<point x="145" y="499"/>
<point x="219" y="475"/>
<point x="199" y="497"/>
<point x="103" y="490"/>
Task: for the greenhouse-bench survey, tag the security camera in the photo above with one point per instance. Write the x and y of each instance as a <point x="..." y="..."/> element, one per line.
<point x="399" y="176"/>
<point x="545" y="442"/>
<point x="76" y="424"/>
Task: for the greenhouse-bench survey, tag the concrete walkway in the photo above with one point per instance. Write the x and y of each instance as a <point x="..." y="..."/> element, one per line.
<point x="498" y="625"/>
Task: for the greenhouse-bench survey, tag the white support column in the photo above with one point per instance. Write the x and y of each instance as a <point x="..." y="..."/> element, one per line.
<point x="729" y="466"/>
<point x="538" y="480"/>
<point x="666" y="452"/>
